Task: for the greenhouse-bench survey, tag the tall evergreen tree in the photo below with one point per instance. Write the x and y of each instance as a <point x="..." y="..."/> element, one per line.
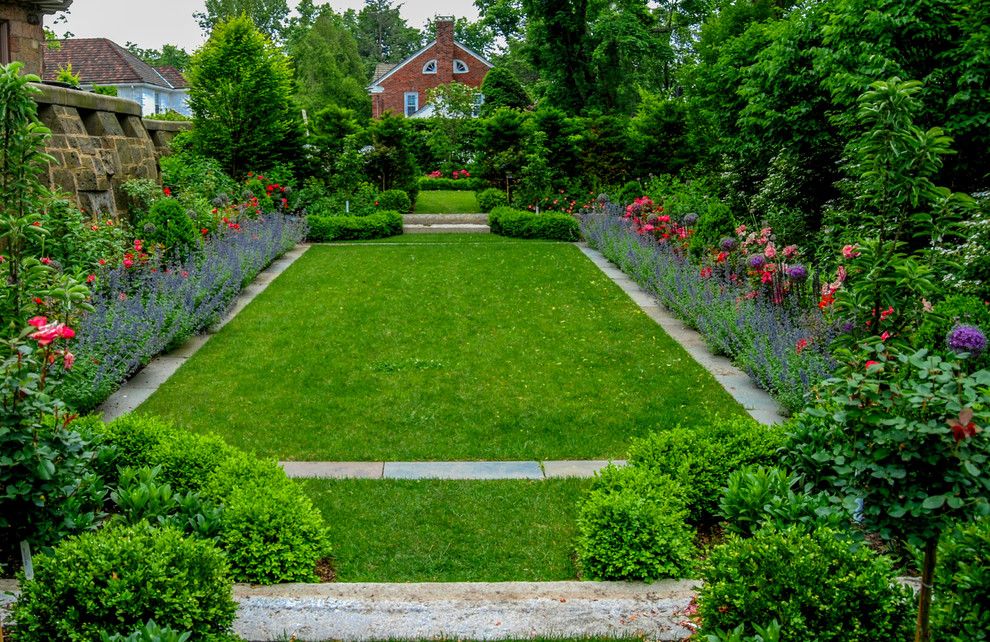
<point x="328" y="66"/>
<point x="240" y="92"/>
<point x="269" y="16"/>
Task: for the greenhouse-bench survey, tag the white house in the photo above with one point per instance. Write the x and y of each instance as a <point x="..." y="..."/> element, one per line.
<point x="99" y="61"/>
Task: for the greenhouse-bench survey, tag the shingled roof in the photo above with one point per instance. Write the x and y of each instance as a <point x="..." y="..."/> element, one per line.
<point x="173" y="76"/>
<point x="381" y="69"/>
<point x="103" y="62"/>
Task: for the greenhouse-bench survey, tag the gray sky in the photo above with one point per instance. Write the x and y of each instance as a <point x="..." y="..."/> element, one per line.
<point x="152" y="23"/>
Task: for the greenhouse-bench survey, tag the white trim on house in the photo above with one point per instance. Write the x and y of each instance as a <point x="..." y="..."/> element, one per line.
<point x="426" y="67"/>
<point x="405" y="102"/>
<point x="409" y="59"/>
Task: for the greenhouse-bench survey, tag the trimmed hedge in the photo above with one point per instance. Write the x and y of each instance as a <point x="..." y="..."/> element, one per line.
<point x="118" y="578"/>
<point x="268" y="528"/>
<point x="702" y="458"/>
<point x="552" y="226"/>
<point x="816" y="585"/>
<point x="632" y="527"/>
<point x="450" y="184"/>
<point x="491" y="198"/>
<point x="323" y="229"/>
<point x="394" y="200"/>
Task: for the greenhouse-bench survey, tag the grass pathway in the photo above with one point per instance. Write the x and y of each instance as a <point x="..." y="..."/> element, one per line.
<point x="439" y="352"/>
<point x="446" y="202"/>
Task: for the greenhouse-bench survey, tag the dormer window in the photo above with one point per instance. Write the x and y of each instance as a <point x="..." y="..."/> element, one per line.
<point x="430" y="67"/>
<point x="460" y="67"/>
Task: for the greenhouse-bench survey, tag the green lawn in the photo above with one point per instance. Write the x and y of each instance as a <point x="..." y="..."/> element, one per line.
<point x="446" y="202"/>
<point x="450" y="531"/>
<point x="500" y="351"/>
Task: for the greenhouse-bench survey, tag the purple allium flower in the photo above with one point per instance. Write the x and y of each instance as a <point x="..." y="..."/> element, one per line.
<point x="728" y="244"/>
<point x="848" y="326"/>
<point x="757" y="261"/>
<point x="797" y="272"/>
<point x="967" y="338"/>
<point x="690" y="219"/>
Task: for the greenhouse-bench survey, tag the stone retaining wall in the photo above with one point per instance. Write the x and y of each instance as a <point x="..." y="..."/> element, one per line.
<point x="98" y="143"/>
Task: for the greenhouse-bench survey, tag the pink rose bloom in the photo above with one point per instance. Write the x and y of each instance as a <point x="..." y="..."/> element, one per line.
<point x="770" y="252"/>
<point x="849" y="252"/>
<point x="790" y="251"/>
<point x="740" y="230"/>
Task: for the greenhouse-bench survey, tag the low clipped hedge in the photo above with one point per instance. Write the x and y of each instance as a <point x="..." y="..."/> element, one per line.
<point x="116" y="579"/>
<point x="552" y="226"/>
<point x="632" y="527"/>
<point x="491" y="198"/>
<point x="816" y="586"/>
<point x="323" y="229"/>
<point x="701" y="458"/>
<point x="450" y="184"/>
<point x="268" y="528"/>
<point x="394" y="200"/>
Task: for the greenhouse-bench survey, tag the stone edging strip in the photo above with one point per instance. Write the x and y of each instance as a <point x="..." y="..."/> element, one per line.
<point x="760" y="405"/>
<point x="447" y="228"/>
<point x="451" y="470"/>
<point x="457" y="611"/>
<point x="136" y="390"/>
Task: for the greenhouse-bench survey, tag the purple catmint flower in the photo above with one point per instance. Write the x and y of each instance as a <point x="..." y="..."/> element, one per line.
<point x="797" y="272"/>
<point x="757" y="261"/>
<point x="967" y="338"/>
<point x="690" y="219"/>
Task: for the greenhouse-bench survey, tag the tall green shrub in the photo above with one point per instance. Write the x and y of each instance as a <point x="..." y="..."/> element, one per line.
<point x="391" y="162"/>
<point x="240" y="91"/>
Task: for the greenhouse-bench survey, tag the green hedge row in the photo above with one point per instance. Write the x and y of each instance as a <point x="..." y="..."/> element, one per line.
<point x="553" y="226"/>
<point x="323" y="229"/>
<point x="454" y="184"/>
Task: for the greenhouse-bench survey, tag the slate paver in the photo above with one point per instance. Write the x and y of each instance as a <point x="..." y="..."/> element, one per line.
<point x="333" y="469"/>
<point x="576" y="468"/>
<point x="463" y="470"/>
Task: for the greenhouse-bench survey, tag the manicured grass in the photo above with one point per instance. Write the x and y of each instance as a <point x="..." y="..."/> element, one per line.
<point x="450" y="531"/>
<point x="446" y="202"/>
<point x="499" y="351"/>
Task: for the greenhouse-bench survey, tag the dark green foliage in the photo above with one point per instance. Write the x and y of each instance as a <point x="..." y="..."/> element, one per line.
<point x="701" y="459"/>
<point x="503" y="137"/>
<point x="329" y="68"/>
<point x="382" y="33"/>
<point x="187" y="174"/>
<point x="491" y="198"/>
<point x="272" y="533"/>
<point x="118" y="578"/>
<point x="168" y="224"/>
<point x="815" y="584"/>
<point x="240" y="90"/>
<point x="149" y="632"/>
<point x="269" y="16"/>
<point x="659" y="138"/>
<point x="502" y="88"/>
<point x="394" y="200"/>
<point x="632" y="527"/>
<point x="449" y="184"/>
<point x="756" y="496"/>
<point x="391" y="163"/>
<point x="323" y="229"/>
<point x="528" y="225"/>
<point x="960" y="613"/>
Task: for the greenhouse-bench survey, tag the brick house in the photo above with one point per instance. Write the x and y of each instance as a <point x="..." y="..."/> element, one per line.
<point x="402" y="88"/>
<point x="99" y="61"/>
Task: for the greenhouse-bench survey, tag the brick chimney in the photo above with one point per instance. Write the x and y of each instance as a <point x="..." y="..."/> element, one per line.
<point x="445" y="49"/>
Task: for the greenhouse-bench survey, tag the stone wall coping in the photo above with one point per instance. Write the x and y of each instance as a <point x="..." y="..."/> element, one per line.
<point x="52" y="95"/>
<point x="153" y="125"/>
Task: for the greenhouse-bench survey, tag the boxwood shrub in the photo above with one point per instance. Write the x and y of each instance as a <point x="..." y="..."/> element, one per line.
<point x="702" y="458"/>
<point x="815" y="585"/>
<point x="323" y="229"/>
<point x="269" y="529"/>
<point x="394" y="200"/>
<point x="554" y="226"/>
<point x="450" y="184"/>
<point x="961" y="610"/>
<point x="116" y="579"/>
<point x="631" y="527"/>
<point x="491" y="198"/>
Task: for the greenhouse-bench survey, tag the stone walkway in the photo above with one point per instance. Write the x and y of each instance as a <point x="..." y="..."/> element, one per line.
<point x="445" y="224"/>
<point x="454" y="611"/>
<point x="476" y="470"/>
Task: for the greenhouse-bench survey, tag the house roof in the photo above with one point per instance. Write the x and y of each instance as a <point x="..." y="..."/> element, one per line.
<point x="378" y="79"/>
<point x="173" y="76"/>
<point x="381" y="69"/>
<point x="103" y="62"/>
<point x="47" y="6"/>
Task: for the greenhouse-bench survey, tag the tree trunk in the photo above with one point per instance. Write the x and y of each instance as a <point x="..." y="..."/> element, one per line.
<point x="922" y="632"/>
